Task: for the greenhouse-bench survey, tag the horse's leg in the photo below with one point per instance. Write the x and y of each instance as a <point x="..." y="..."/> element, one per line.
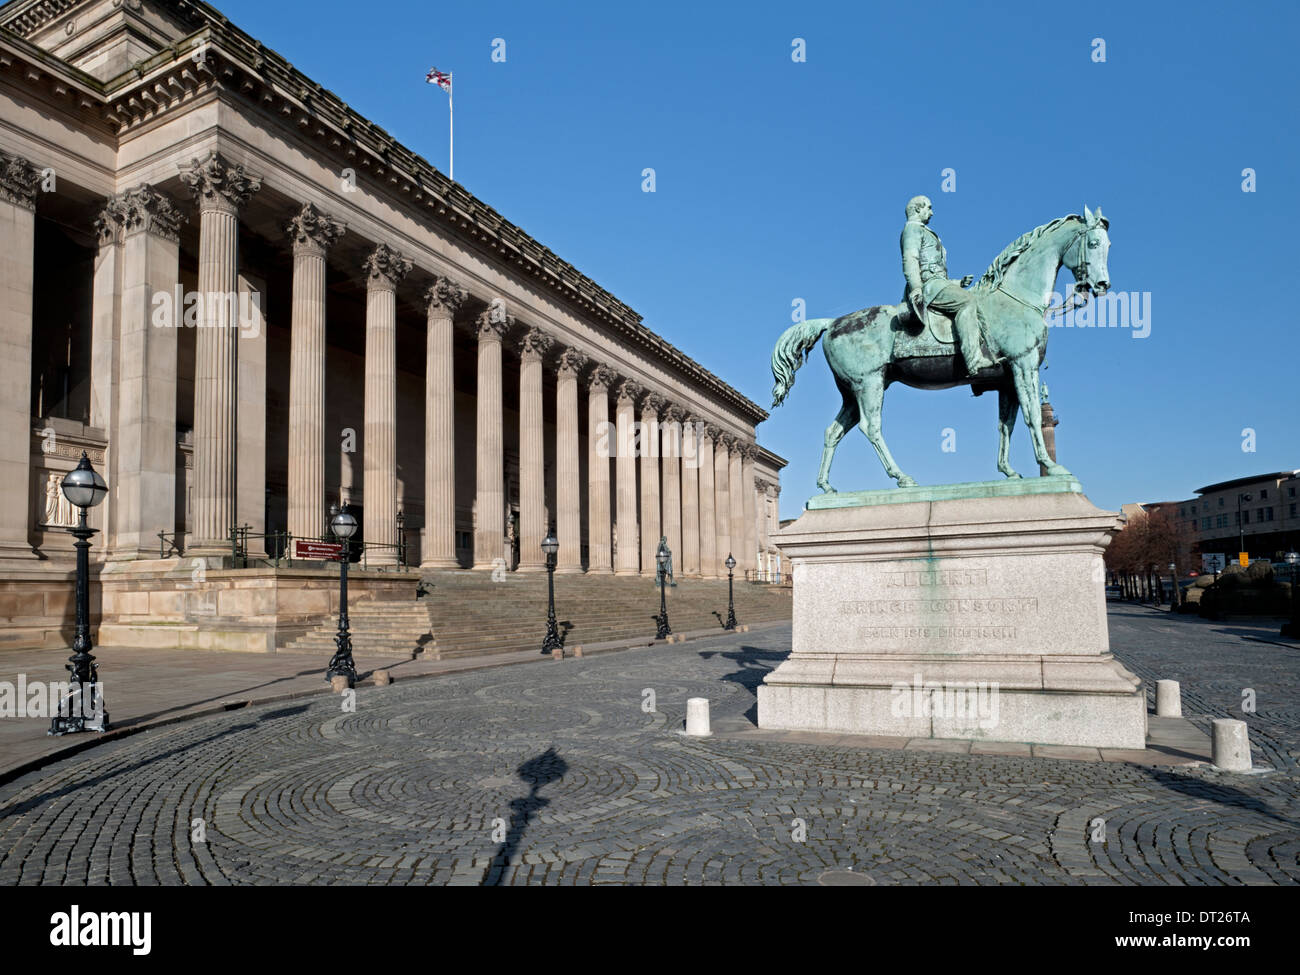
<point x="847" y="417"/>
<point x="871" y="397"/>
<point x="1006" y="423"/>
<point x="1025" y="371"/>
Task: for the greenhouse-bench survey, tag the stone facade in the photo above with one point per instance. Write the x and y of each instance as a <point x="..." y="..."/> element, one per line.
<point x="247" y="303"/>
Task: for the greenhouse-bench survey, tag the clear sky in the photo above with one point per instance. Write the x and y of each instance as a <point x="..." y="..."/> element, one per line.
<point x="778" y="180"/>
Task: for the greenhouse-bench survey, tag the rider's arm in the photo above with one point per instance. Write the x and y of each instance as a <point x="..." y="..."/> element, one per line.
<point x="910" y="242"/>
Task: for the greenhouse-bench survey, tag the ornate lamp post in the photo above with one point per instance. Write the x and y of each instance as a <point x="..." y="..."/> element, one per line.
<point x="344" y="525"/>
<point x="662" y="555"/>
<point x="1173" y="596"/>
<point x="84" y="488"/>
<point x="1292" y="629"/>
<point x="551" y="545"/>
<point x="731" y="602"/>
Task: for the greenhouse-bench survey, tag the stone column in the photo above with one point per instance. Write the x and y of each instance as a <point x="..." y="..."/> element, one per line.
<point x="568" y="488"/>
<point x="627" y="557"/>
<point x="533" y="347"/>
<point x="220" y="189"/>
<point x="19" y="183"/>
<point x="312" y="233"/>
<point x="438" y="546"/>
<point x="749" y="513"/>
<point x="722" y="499"/>
<point x="690" y="497"/>
<point x="105" y="330"/>
<point x="648" y="447"/>
<point x="708" y="519"/>
<point x="736" y="495"/>
<point x="670" y="452"/>
<point x="760" y="522"/>
<point x="385" y="268"/>
<point x="489" y="468"/>
<point x="599" y="443"/>
<point x="145" y="441"/>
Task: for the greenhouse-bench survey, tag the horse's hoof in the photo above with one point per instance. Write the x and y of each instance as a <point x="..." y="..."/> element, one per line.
<point x="905" y="481"/>
<point x="1011" y="473"/>
<point x="826" y="488"/>
<point x="1056" y="470"/>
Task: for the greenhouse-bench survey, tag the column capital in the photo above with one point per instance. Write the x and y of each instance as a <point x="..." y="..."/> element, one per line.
<point x="217" y="184"/>
<point x="748" y="449"/>
<point x="534" y="344"/>
<point x="445" y="294"/>
<point x="710" y="432"/>
<point x="492" y="324"/>
<point x="385" y="268"/>
<point x="762" y="484"/>
<point x="629" y="391"/>
<point x="20" y="181"/>
<point x="312" y="231"/>
<point x="572" y="361"/>
<point x="601" y="379"/>
<point x="673" y="413"/>
<point x="145" y="208"/>
<point x="653" y="403"/>
<point x="109" y="221"/>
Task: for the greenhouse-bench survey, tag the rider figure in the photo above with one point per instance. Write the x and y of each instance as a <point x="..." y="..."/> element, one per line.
<point x="925" y="267"/>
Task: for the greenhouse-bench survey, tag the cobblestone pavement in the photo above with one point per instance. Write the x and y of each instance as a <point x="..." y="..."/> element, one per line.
<point x="557" y="773"/>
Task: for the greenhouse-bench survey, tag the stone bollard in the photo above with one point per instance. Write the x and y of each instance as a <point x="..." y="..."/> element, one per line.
<point x="1169" y="702"/>
<point x="1231" y="745"/>
<point x="383" y="678"/>
<point x="557" y="653"/>
<point x="339" y="684"/>
<point x="577" y="651"/>
<point x="697" y="716"/>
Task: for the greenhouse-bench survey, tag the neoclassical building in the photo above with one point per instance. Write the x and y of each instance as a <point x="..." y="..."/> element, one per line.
<point x="246" y="302"/>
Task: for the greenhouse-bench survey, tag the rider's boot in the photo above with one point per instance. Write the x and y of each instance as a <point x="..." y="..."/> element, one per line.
<point x="968" y="336"/>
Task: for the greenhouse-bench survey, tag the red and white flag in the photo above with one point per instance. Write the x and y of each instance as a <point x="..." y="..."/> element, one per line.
<point x="436" y="77"/>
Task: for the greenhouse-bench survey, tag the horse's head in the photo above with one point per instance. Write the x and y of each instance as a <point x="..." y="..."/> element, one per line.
<point x="1086" y="255"/>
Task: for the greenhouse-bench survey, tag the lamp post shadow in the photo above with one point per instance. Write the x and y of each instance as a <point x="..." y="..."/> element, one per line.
<point x="536" y="772"/>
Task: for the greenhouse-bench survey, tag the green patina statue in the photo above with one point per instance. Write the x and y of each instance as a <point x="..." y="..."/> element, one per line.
<point x="999" y="325"/>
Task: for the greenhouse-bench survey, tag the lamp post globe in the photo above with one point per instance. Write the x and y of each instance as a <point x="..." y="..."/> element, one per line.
<point x="550" y="546"/>
<point x="1292" y="628"/>
<point x="662" y="555"/>
<point x="83" y="708"/>
<point x="731" y="602"/>
<point x="344" y="525"/>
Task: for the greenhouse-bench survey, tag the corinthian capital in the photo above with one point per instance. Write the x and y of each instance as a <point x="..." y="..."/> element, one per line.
<point x="312" y="230"/>
<point x="572" y="362"/>
<point x="711" y="433"/>
<point x="492" y="323"/>
<point x="601" y="378"/>
<point x="534" y="345"/>
<point x="385" y="267"/>
<point x="445" y="294"/>
<point x="629" y="391"/>
<point x="144" y="208"/>
<point x="674" y="414"/>
<point x="218" y="184"/>
<point x="652" y="404"/>
<point x="20" y="181"/>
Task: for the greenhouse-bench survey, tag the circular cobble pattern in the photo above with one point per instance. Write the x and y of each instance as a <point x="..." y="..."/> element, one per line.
<point x="578" y="773"/>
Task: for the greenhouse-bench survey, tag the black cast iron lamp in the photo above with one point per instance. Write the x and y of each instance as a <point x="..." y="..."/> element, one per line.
<point x="83" y="708"/>
<point x="662" y="555"/>
<point x="344" y="525"/>
<point x="551" y="545"/>
<point x="1292" y="629"/>
<point x="731" y="603"/>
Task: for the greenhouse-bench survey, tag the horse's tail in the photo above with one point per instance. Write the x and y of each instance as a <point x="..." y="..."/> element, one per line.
<point x="795" y="343"/>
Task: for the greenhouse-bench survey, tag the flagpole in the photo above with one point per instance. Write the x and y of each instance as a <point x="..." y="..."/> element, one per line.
<point x="451" y="138"/>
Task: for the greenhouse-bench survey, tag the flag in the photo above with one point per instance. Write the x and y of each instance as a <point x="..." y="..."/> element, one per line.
<point x="436" y="77"/>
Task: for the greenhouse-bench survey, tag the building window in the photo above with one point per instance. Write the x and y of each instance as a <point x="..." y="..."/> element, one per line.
<point x="1263" y="494"/>
<point x="1293" y="509"/>
<point x="1221" y="502"/>
<point x="1245" y="517"/>
<point x="1205" y="522"/>
<point x="1269" y="515"/>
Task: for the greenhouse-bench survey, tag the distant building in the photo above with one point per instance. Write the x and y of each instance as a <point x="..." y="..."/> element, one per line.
<point x="1257" y="514"/>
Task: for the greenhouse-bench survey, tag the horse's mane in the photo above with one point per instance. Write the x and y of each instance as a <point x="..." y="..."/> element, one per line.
<point x="1002" y="263"/>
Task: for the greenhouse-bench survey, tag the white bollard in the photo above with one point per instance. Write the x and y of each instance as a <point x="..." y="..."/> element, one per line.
<point x="1169" y="701"/>
<point x="697" y="716"/>
<point x="1231" y="745"/>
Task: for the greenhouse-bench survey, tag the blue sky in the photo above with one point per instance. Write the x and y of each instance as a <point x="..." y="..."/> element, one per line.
<point x="778" y="180"/>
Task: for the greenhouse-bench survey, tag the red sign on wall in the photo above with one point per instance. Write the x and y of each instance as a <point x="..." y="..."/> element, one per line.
<point x="316" y="550"/>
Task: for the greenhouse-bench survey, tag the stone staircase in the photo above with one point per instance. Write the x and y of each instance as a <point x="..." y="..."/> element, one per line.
<point x="468" y="614"/>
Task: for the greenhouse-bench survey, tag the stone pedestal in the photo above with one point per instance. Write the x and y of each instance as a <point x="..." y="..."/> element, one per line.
<point x="959" y="611"/>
